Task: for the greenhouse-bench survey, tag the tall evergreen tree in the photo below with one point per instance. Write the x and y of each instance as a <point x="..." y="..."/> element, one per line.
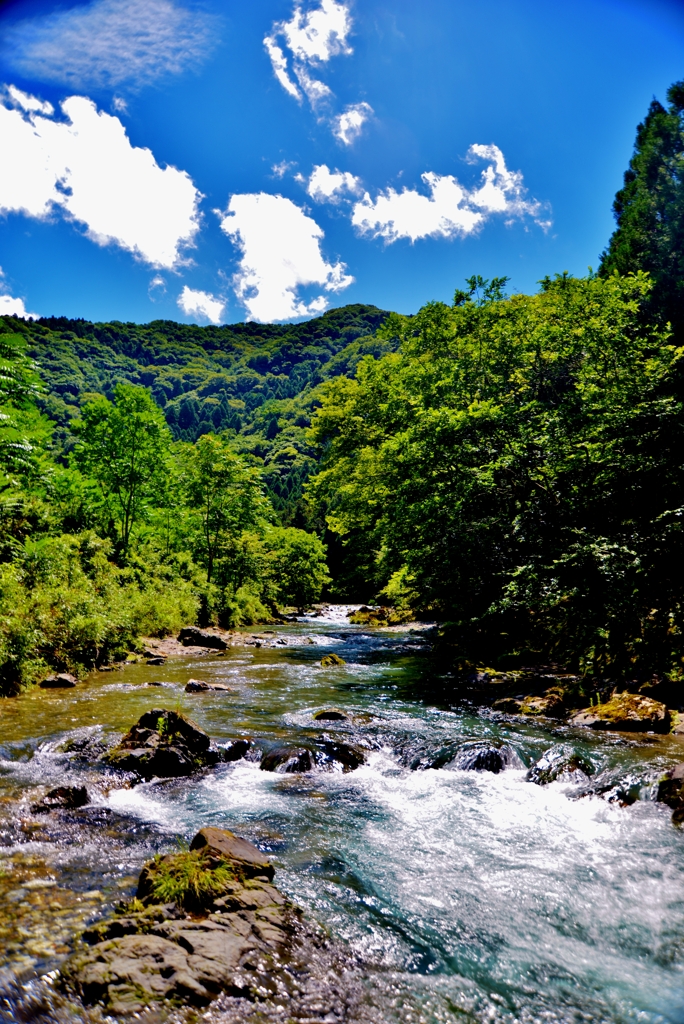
<point x="649" y="210"/>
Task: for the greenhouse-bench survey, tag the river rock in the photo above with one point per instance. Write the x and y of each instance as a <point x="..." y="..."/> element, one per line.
<point x="64" y="798"/>
<point x="59" y="681"/>
<point x="331" y="715"/>
<point x="235" y="750"/>
<point x="201" y="686"/>
<point x="332" y="661"/>
<point x="486" y="757"/>
<point x="191" y="636"/>
<point x="332" y="753"/>
<point x="248" y="859"/>
<point x="163" y="744"/>
<point x="160" y="952"/>
<point x="671" y="792"/>
<point x="615" y="786"/>
<point x="560" y="764"/>
<point x="287" y="760"/>
<point x="626" y="712"/>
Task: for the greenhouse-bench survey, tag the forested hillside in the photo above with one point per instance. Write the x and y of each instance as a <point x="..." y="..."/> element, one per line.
<point x="253" y="380"/>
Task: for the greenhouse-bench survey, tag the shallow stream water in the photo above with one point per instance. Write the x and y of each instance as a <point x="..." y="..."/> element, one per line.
<point x="466" y="895"/>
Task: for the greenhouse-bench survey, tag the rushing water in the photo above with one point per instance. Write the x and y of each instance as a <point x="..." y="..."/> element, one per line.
<point x="469" y="895"/>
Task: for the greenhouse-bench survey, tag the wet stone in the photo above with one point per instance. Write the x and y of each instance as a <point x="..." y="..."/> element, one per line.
<point x="331" y="753"/>
<point x="59" y="681"/>
<point x="331" y="715"/>
<point x="626" y="712"/>
<point x="62" y="798"/>
<point x="163" y="744"/>
<point x="288" y="760"/>
<point x="202" y="686"/>
<point x="486" y="757"/>
<point x="560" y="764"/>
<point x="191" y="636"/>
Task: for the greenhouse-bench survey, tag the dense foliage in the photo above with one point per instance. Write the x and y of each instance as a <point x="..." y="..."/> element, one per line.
<point x="518" y="466"/>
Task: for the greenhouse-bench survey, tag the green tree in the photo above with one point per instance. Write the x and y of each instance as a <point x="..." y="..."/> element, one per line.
<point x="124" y="445"/>
<point x="649" y="210"/>
<point x="296" y="565"/>
<point x="224" y="495"/>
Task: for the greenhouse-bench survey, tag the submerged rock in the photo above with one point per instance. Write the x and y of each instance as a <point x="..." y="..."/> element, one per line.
<point x="626" y="712"/>
<point x="560" y="764"/>
<point x="163" y="744"/>
<point x="332" y="660"/>
<point x="158" y="949"/>
<point x="191" y="636"/>
<point x="287" y="760"/>
<point x="65" y="798"/>
<point x="59" y="681"/>
<point x="614" y="786"/>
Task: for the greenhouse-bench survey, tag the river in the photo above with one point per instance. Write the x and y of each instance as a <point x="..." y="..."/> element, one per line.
<point x="466" y="895"/>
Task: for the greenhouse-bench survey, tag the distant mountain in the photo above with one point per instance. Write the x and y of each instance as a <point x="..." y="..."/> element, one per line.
<point x="257" y="380"/>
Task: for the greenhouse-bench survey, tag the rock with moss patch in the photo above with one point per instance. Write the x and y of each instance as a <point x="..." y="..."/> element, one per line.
<point x="332" y="660"/>
<point x="163" y="744"/>
<point x="626" y="712"/>
<point x="223" y="930"/>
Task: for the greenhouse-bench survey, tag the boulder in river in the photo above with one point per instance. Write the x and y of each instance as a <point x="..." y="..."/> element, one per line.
<point x="626" y="712"/>
<point x="331" y="715"/>
<point x="192" y="636"/>
<point x="671" y="792"/>
<point x="59" y="681"/>
<point x="64" y="798"/>
<point x="235" y="750"/>
<point x="163" y="744"/>
<point x="287" y="760"/>
<point x="346" y="755"/>
<point x="205" y="921"/>
<point x="332" y="661"/>
<point x="202" y="686"/>
<point x="560" y="764"/>
<point x="486" y="757"/>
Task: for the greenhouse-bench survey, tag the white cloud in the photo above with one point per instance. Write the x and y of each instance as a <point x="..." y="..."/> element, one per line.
<point x="201" y="304"/>
<point x="450" y="209"/>
<point x="329" y="186"/>
<point x="348" y="125"/>
<point x="281" y="169"/>
<point x="86" y="167"/>
<point x="311" y="38"/>
<point x="9" y="306"/>
<point x="108" y="42"/>
<point x="281" y="253"/>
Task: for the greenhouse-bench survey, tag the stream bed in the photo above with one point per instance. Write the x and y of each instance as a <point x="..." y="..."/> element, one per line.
<point x="465" y="895"/>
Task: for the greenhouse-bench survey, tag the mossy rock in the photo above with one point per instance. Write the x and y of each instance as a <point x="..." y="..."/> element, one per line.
<point x="626" y="712"/>
<point x="332" y="660"/>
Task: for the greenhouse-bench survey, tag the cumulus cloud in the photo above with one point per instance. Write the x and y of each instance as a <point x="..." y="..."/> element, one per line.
<point x="299" y="48"/>
<point x="109" y="42"/>
<point x="85" y="167"/>
<point x="311" y="38"/>
<point x="9" y="306"/>
<point x="281" y="253"/>
<point x="202" y="305"/>
<point x="450" y="209"/>
<point x="348" y="125"/>
<point x="329" y="186"/>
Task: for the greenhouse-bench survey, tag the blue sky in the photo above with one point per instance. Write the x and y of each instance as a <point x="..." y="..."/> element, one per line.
<point x="209" y="161"/>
